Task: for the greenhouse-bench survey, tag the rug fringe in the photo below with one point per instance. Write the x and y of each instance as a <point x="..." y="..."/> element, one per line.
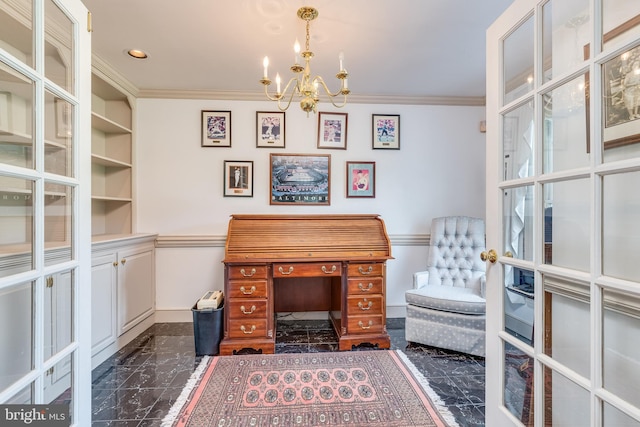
<point x="173" y="413"/>
<point x="437" y="401"/>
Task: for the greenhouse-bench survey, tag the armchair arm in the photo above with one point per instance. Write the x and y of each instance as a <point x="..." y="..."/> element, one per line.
<point x="420" y="279"/>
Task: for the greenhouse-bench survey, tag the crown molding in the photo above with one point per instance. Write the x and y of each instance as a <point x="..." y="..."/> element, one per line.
<point x="474" y="101"/>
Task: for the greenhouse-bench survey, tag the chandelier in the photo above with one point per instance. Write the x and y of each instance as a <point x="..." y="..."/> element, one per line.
<point x="302" y="83"/>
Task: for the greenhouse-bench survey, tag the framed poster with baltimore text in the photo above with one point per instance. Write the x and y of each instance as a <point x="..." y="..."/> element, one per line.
<point x="361" y="179"/>
<point x="270" y="129"/>
<point x="300" y="179"/>
<point x="238" y="178"/>
<point x="386" y="131"/>
<point x="216" y="128"/>
<point x="332" y="130"/>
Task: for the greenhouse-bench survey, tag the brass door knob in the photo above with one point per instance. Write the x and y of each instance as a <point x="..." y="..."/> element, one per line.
<point x="491" y="256"/>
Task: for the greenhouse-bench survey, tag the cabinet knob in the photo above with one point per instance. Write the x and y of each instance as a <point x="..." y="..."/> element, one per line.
<point x="115" y="263"/>
<point x="123" y="261"/>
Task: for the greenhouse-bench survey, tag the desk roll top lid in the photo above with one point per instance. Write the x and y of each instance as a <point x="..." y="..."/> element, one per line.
<point x="263" y="238"/>
<point x="294" y="263"/>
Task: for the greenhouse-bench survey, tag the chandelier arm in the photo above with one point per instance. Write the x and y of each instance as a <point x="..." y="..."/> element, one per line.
<point x="293" y="92"/>
<point x="326" y="88"/>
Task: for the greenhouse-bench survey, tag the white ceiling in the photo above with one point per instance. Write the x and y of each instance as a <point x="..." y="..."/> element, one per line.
<point x="416" y="50"/>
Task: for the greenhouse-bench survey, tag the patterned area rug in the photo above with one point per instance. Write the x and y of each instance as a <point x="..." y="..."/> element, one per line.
<point x="357" y="388"/>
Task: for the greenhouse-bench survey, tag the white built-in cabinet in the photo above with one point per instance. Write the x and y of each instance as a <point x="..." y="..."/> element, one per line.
<point x="123" y="262"/>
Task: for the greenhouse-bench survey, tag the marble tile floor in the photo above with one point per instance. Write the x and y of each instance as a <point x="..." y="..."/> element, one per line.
<point x="137" y="386"/>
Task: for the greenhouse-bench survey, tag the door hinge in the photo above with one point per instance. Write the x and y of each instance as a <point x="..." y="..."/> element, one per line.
<point x="89" y="23"/>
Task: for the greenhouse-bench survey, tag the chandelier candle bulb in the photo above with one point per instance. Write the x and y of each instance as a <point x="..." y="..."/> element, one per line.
<point x="296" y="49"/>
<point x="278" y="83"/>
<point x="341" y="58"/>
<point x="265" y="63"/>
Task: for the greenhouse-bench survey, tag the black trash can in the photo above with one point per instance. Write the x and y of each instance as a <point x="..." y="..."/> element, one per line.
<point x="207" y="329"/>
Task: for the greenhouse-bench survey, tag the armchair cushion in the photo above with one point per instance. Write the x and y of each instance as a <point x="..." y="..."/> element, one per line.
<point x="447" y="298"/>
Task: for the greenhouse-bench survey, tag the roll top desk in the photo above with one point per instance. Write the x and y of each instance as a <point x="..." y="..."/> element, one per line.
<point x="294" y="263"/>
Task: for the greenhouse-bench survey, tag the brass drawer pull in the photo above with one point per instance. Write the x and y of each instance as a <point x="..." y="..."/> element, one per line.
<point x="244" y="310"/>
<point x="281" y="270"/>
<point x="244" y="330"/>
<point x="333" y="269"/>
<point x="362" y="288"/>
<point x="251" y="273"/>
<point x="363" y="326"/>
<point x="244" y="290"/>
<point x="367" y="271"/>
<point x="363" y="307"/>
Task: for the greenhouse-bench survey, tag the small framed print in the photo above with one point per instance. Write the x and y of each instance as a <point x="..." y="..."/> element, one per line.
<point x="216" y="128"/>
<point x="64" y="124"/>
<point x="238" y="178"/>
<point x="361" y="179"/>
<point x="270" y="129"/>
<point x="386" y="131"/>
<point x="332" y="130"/>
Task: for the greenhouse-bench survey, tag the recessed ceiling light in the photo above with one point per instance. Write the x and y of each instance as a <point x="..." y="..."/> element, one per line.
<point x="138" y="54"/>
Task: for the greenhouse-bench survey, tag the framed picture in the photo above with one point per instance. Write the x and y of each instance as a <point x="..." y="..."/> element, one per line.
<point x="332" y="130"/>
<point x="386" y="131"/>
<point x="300" y="179"/>
<point x="238" y="178"/>
<point x="361" y="179"/>
<point x="270" y="129"/>
<point x="64" y="124"/>
<point x="621" y="105"/>
<point x="216" y="128"/>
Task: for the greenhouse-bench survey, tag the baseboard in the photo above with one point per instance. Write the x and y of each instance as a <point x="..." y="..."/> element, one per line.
<point x="185" y="315"/>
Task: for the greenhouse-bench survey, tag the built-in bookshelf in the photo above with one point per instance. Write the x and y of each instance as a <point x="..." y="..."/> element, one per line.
<point x="111" y="160"/>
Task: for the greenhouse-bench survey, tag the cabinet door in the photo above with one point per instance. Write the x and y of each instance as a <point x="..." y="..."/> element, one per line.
<point x="136" y="291"/>
<point x="103" y="301"/>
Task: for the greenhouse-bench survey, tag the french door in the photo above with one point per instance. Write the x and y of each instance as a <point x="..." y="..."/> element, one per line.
<point x="45" y="175"/>
<point x="563" y="214"/>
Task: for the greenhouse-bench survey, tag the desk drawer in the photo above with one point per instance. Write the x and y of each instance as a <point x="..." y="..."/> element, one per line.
<point x="240" y="308"/>
<point x="247" y="289"/>
<point x="248" y="272"/>
<point x="365" y="324"/>
<point x="364" y="305"/>
<point x="307" y="269"/>
<point x="365" y="286"/>
<point x="249" y="328"/>
<point x="365" y="269"/>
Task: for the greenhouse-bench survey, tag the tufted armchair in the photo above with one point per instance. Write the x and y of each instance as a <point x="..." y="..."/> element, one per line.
<point x="446" y="307"/>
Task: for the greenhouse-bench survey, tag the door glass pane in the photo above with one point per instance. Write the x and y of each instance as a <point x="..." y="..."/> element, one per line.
<point x="518" y="387"/>
<point x="614" y="417"/>
<point x="16" y="341"/>
<point x="565" y="127"/>
<point x="566" y="403"/>
<point x="518" y="222"/>
<point x="58" y="220"/>
<point x="16" y="136"/>
<point x="518" y="303"/>
<point x="58" y="122"/>
<point x="621" y="109"/>
<point x="564" y="34"/>
<point x="518" y="62"/>
<point x="58" y="312"/>
<point x="15" y="32"/>
<point x="566" y="323"/>
<point x="23" y="397"/>
<point x="518" y="138"/>
<point x="58" y="46"/>
<point x="16" y="224"/>
<point x="620" y="335"/>
<point x="566" y="224"/>
<point x="57" y="383"/>
<point x="620" y="21"/>
<point x="620" y="225"/>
